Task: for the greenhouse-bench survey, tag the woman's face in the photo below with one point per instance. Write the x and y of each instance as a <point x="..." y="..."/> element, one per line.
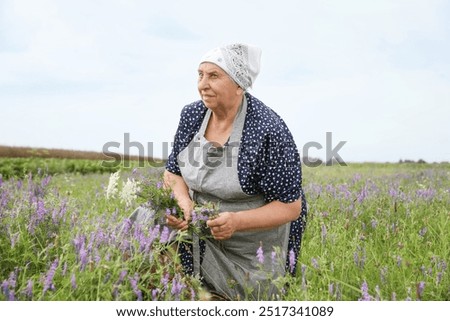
<point x="216" y="88"/>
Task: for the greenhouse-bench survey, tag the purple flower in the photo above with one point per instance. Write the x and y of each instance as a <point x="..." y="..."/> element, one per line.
<point x="29" y="289"/>
<point x="73" y="281"/>
<point x="165" y="280"/>
<point x="423" y="231"/>
<point x="83" y="258"/>
<point x="331" y="289"/>
<point x="134" y="285"/>
<point x="177" y="287"/>
<point x="260" y="254"/>
<point x="364" y="292"/>
<point x="5" y="289"/>
<point x="273" y="257"/>
<point x="420" y="288"/>
<point x="155" y="293"/>
<point x="48" y="282"/>
<point x="303" y="276"/>
<point x="324" y="232"/>
<point x="374" y="223"/>
<point x="127" y="224"/>
<point x="427" y="194"/>
<point x="122" y="276"/>
<point x="164" y="237"/>
<point x="292" y="260"/>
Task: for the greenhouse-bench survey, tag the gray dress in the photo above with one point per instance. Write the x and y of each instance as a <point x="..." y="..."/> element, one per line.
<point x="230" y="267"/>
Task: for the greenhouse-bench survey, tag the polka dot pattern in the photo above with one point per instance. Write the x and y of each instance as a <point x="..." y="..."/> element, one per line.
<point x="268" y="163"/>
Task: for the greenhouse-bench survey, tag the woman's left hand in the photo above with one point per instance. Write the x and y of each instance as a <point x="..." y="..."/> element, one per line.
<point x="224" y="226"/>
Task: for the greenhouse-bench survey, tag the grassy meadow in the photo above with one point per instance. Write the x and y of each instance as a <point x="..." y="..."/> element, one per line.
<point x="374" y="232"/>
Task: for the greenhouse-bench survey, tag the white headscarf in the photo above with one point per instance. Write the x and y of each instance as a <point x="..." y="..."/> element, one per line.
<point x="241" y="62"/>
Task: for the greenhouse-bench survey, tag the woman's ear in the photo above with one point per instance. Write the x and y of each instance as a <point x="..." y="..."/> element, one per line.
<point x="239" y="91"/>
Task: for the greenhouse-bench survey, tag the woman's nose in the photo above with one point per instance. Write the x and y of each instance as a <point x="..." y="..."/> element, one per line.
<point x="203" y="83"/>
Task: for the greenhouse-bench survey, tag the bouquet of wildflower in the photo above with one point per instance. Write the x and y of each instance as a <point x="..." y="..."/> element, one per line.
<point x="200" y="215"/>
<point x="160" y="199"/>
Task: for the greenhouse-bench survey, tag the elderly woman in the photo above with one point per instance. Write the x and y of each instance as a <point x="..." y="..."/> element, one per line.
<point x="233" y="150"/>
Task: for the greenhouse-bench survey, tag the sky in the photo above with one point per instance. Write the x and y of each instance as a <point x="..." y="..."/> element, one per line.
<point x="82" y="74"/>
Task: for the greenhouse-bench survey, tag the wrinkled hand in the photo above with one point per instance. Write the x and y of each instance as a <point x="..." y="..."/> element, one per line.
<point x="181" y="223"/>
<point x="224" y="226"/>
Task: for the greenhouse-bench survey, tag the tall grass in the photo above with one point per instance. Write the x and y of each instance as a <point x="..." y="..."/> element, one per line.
<point x="374" y="232"/>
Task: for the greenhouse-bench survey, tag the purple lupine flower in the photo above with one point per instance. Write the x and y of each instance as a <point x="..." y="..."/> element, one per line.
<point x="362" y="195"/>
<point x="303" y="276"/>
<point x="78" y="242"/>
<point x="48" y="282"/>
<point x="260" y="254"/>
<point x="29" y="289"/>
<point x="168" y="211"/>
<point x="64" y="269"/>
<point x="45" y="181"/>
<point x="364" y="292"/>
<point x="439" y="277"/>
<point x="323" y="232"/>
<point x="122" y="276"/>
<point x="427" y="194"/>
<point x="420" y="288"/>
<point x="292" y="260"/>
<point x="5" y="288"/>
<point x="177" y="287"/>
<point x="273" y="257"/>
<point x="127" y="224"/>
<point x="356" y="258"/>
<point x="134" y="285"/>
<point x="155" y="233"/>
<point x="423" y="231"/>
<point x="12" y="279"/>
<point x="155" y="293"/>
<point x="193" y="294"/>
<point x="164" y="237"/>
<point x="73" y="281"/>
<point x="83" y="258"/>
<point x="393" y="192"/>
<point x="159" y="185"/>
<point x="331" y="289"/>
<point x="40" y="210"/>
<point x="165" y="280"/>
<point x="374" y="223"/>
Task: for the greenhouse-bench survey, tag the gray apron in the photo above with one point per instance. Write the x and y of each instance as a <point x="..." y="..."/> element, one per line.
<point x="230" y="267"/>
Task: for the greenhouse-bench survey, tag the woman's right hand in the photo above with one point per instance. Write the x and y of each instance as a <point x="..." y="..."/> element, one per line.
<point x="181" y="193"/>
